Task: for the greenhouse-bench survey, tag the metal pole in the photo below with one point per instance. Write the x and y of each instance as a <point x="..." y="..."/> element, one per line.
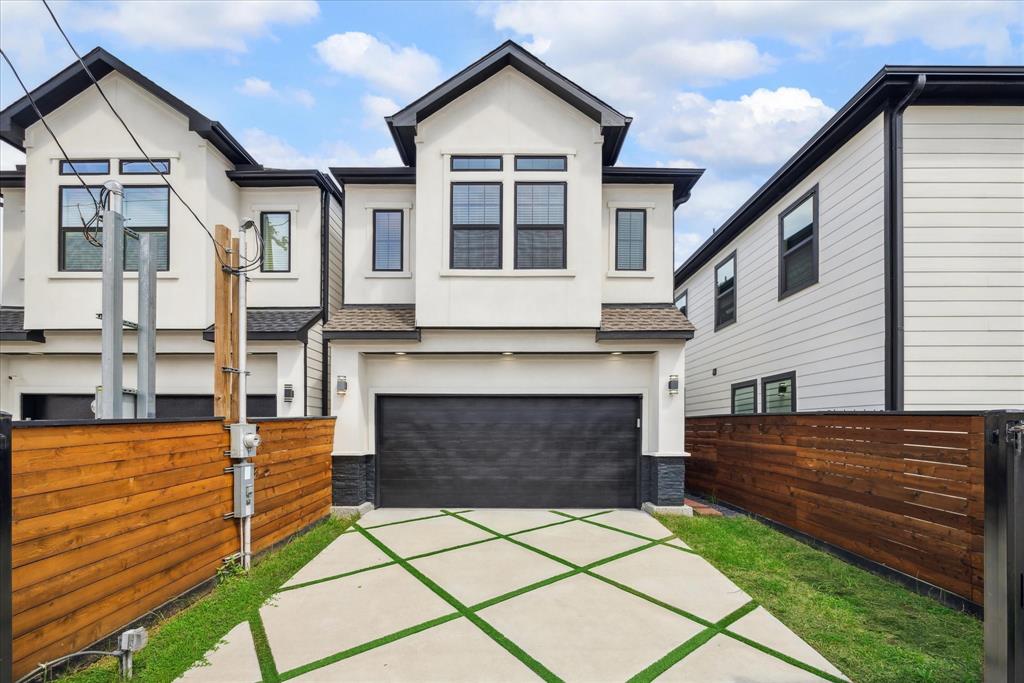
<point x="112" y="347"/>
<point x="242" y="327"/>
<point x="146" y="356"/>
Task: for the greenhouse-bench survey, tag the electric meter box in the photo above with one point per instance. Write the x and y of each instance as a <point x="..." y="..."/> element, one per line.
<point x="244" y="475"/>
<point x="244" y="440"/>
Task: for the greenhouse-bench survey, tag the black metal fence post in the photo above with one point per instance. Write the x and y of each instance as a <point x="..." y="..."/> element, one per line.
<point x="6" y="522"/>
<point x="1004" y="547"/>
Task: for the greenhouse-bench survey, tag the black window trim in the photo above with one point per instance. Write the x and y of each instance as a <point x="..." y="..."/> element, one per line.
<point x="452" y="227"/>
<point x="684" y="294"/>
<point x="783" y="252"/>
<point x="735" y="282"/>
<point x="752" y="383"/>
<point x="122" y="162"/>
<point x="401" y="241"/>
<point x="563" y="157"/>
<point x="263" y="262"/>
<point x="765" y="381"/>
<point x="630" y="270"/>
<point x="564" y="227"/>
<point x="61" y="230"/>
<point x="499" y="157"/>
<point x="61" y="170"/>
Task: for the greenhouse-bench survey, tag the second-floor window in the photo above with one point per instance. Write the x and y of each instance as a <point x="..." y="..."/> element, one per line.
<point x="476" y="226"/>
<point x="540" y="225"/>
<point x="476" y="163"/>
<point x="630" y="239"/>
<point x="798" y="245"/>
<point x="276" y="231"/>
<point x="387" y="240"/>
<point x="725" y="292"/>
<point x="143" y="167"/>
<point x="85" y="167"/>
<point x="146" y="209"/>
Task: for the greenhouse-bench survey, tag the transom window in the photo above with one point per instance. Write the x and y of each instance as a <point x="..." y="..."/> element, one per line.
<point x="630" y="239"/>
<point x="476" y="163"/>
<point x="798" y="245"/>
<point x="143" y="167"/>
<point x="725" y="292"/>
<point x="779" y="393"/>
<point x="681" y="301"/>
<point x="476" y="225"/>
<point x="540" y="163"/>
<point x="85" y="167"/>
<point x="744" y="398"/>
<point x="387" y="240"/>
<point x="540" y="225"/>
<point x="146" y="209"/>
<point x="276" y="230"/>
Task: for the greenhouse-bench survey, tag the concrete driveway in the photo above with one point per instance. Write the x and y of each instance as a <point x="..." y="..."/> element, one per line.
<point x="514" y="595"/>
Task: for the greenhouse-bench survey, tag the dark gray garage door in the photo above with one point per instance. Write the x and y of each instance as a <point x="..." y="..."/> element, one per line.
<point x="523" y="451"/>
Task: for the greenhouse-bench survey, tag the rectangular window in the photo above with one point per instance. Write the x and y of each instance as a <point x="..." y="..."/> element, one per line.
<point x="798" y="245"/>
<point x="540" y="163"/>
<point x="276" y="231"/>
<point x="744" y="398"/>
<point x="779" y="393"/>
<point x="85" y="167"/>
<point x="681" y="301"/>
<point x="143" y="167"/>
<point x="476" y="163"/>
<point x="146" y="209"/>
<point x="540" y="225"/>
<point x="630" y="239"/>
<point x="476" y="226"/>
<point x="387" y="240"/>
<point x="725" y="292"/>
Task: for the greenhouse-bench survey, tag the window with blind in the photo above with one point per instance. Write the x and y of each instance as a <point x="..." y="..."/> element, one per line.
<point x="744" y="398"/>
<point x="387" y="240"/>
<point x="630" y="239"/>
<point x="476" y="226"/>
<point x="798" y="245"/>
<point x="778" y="393"/>
<point x="276" y="230"/>
<point x="725" y="292"/>
<point x="146" y="209"/>
<point x="540" y="225"/>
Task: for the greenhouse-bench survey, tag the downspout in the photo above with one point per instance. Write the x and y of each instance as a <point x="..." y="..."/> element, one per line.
<point x="894" y="337"/>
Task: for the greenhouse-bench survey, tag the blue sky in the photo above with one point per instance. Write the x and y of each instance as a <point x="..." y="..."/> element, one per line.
<point x="733" y="87"/>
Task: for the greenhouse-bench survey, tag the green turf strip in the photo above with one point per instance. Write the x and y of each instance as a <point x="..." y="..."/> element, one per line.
<point x="401" y="521"/>
<point x="665" y="541"/>
<point x="784" y="657"/>
<point x="268" y="669"/>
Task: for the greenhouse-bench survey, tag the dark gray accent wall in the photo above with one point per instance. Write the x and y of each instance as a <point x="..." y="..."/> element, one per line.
<point x="353" y="480"/>
<point x="662" y="479"/>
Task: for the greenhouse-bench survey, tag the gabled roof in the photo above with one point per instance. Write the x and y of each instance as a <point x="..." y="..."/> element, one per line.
<point x="403" y="124"/>
<point x="950" y="85"/>
<point x="74" y="80"/>
<point x="276" y="323"/>
<point x="373" y="321"/>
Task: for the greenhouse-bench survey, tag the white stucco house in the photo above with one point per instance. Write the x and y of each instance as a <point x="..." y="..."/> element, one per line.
<point x="49" y="331"/>
<point x="882" y="267"/>
<point x="507" y="335"/>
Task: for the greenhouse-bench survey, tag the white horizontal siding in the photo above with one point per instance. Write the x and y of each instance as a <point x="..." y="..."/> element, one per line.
<point x="832" y="333"/>
<point x="964" y="257"/>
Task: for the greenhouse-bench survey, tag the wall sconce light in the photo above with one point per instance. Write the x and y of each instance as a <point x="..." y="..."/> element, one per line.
<point x="289" y="393"/>
<point x="673" y="385"/>
<point x="341" y="385"/>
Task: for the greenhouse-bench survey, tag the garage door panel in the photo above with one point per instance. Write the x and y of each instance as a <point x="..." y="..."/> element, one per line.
<point x="483" y="492"/>
<point x="458" y="464"/>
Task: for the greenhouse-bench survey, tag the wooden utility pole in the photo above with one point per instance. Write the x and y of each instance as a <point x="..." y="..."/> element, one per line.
<point x="233" y="328"/>
<point x="225" y="339"/>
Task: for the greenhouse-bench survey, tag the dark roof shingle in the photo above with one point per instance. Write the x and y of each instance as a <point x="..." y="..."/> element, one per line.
<point x="276" y="323"/>
<point x="373" y="321"/>
<point x="12" y="326"/>
<point x="643" y="321"/>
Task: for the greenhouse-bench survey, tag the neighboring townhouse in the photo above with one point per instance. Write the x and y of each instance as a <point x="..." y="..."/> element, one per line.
<point x="508" y="336"/>
<point x="882" y="267"/>
<point x="49" y="330"/>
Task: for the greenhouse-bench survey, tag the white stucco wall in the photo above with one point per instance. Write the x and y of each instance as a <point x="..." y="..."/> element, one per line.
<point x="362" y="284"/>
<point x="654" y="284"/>
<point x="12" y="279"/>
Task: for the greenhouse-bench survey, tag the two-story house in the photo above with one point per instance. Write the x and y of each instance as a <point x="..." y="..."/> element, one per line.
<point x="508" y="336"/>
<point x="882" y="267"/>
<point x="49" y="361"/>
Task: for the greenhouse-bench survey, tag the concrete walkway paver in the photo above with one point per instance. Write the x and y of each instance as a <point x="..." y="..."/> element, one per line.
<point x="232" y="661"/>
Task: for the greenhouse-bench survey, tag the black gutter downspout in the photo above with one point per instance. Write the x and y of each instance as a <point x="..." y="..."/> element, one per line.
<point x="894" y="337"/>
<point x="325" y="226"/>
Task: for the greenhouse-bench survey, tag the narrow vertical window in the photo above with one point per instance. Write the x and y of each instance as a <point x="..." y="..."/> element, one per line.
<point x="540" y="225"/>
<point x="630" y="239"/>
<point x="778" y="393"/>
<point x="725" y="292"/>
<point x="276" y="230"/>
<point x="476" y="226"/>
<point x="681" y="301"/>
<point x="744" y="398"/>
<point x="387" y="240"/>
<point x="798" y="245"/>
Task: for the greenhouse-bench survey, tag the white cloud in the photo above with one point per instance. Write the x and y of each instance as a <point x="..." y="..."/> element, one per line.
<point x="257" y="87"/>
<point x="273" y="151"/>
<point x="376" y="108"/>
<point x="303" y="97"/>
<point x="10" y="157"/>
<point x="714" y="199"/>
<point x="403" y="70"/>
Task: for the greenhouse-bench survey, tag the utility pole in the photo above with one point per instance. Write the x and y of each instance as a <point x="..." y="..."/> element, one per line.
<point x="146" y="356"/>
<point x="110" y="400"/>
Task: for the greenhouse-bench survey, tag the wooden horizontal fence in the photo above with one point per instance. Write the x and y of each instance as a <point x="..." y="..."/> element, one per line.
<point x="902" y="490"/>
<point x="113" y="520"/>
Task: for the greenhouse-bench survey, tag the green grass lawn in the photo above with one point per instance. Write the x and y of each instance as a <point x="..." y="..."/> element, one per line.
<point x="179" y="641"/>
<point x="874" y="630"/>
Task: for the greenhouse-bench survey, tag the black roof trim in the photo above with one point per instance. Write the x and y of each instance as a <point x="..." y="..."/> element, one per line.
<point x="402" y="124"/>
<point x="372" y="334"/>
<point x="73" y="80"/>
<point x="12" y="326"/>
<point x="277" y="323"/>
<point x="13" y="179"/>
<point x="681" y="179"/>
<point x="374" y="175"/>
<point x="989" y="85"/>
<point x="259" y="176"/>
<point x="619" y="335"/>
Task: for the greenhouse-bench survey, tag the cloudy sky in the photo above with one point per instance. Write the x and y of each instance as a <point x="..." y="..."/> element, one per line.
<point x="733" y="87"/>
